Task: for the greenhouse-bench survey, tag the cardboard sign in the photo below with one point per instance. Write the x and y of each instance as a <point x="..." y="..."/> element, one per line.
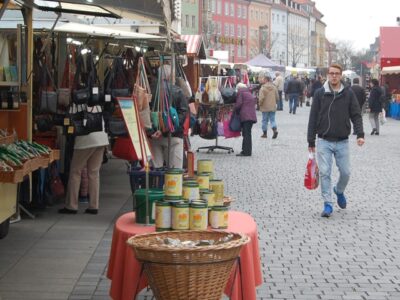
<point x="135" y="130"/>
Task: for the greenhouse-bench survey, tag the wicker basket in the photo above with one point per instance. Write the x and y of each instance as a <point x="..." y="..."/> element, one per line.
<point x="187" y="273"/>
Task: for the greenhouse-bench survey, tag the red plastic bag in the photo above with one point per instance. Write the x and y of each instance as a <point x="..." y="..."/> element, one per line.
<point x="123" y="148"/>
<point x="311" y="177"/>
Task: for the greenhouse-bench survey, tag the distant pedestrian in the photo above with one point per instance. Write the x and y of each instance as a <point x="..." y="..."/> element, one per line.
<point x="246" y="106"/>
<point x="361" y="96"/>
<point x="293" y="90"/>
<point x="374" y="106"/>
<point x="317" y="84"/>
<point x="267" y="100"/>
<point x="278" y="82"/>
<point x="332" y="109"/>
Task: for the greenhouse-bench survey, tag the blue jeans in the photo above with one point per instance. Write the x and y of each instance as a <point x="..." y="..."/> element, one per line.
<point x="293" y="100"/>
<point x="280" y="102"/>
<point x="325" y="152"/>
<point x="268" y="116"/>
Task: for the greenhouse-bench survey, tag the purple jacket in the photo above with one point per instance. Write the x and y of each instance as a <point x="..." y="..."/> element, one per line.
<point x="246" y="104"/>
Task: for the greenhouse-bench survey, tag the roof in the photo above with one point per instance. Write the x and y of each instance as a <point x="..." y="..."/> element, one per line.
<point x="262" y="61"/>
<point x="389" y="42"/>
<point x="194" y="45"/>
<point x="390" y="70"/>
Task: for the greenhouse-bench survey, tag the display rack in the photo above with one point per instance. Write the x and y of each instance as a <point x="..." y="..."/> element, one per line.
<point x="213" y="112"/>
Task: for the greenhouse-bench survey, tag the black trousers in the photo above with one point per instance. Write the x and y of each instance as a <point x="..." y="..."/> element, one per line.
<point x="246" y="133"/>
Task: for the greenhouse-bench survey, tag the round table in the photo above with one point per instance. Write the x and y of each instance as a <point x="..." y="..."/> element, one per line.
<point x="124" y="269"/>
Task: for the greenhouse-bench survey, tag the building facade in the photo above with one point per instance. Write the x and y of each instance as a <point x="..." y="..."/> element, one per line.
<point x="259" y="28"/>
<point x="279" y="29"/>
<point x="190" y="17"/>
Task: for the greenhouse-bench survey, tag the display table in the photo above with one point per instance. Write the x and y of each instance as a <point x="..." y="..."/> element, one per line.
<point x="124" y="269"/>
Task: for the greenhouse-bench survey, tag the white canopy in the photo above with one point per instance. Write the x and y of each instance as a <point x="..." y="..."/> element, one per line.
<point x="72" y="27"/>
<point x="390" y="70"/>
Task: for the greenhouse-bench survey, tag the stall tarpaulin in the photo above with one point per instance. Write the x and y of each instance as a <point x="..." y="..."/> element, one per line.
<point x="262" y="61"/>
<point x="393" y="70"/>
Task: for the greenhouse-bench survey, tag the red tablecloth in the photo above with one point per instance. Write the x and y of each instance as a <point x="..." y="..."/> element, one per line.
<point x="124" y="269"/>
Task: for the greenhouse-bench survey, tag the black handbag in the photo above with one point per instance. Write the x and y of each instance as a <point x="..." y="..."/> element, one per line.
<point x="76" y="124"/>
<point x="81" y="96"/>
<point x="48" y="102"/>
<point x="43" y="122"/>
<point x="117" y="127"/>
<point x="228" y="95"/>
<point x="93" y="117"/>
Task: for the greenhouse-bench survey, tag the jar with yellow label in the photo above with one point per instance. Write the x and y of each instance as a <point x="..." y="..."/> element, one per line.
<point x="180" y="216"/>
<point x="205" y="166"/>
<point x="219" y="217"/>
<point x="209" y="197"/>
<point x="173" y="184"/>
<point x="217" y="186"/>
<point x="163" y="216"/>
<point x="198" y="216"/>
<point x="191" y="191"/>
<point x="203" y="179"/>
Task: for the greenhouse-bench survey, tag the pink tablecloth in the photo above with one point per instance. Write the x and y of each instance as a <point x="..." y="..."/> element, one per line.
<point x="124" y="269"/>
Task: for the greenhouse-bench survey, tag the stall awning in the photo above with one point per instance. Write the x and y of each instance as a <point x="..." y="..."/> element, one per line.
<point x="194" y="45"/>
<point x="390" y="70"/>
<point x="105" y="32"/>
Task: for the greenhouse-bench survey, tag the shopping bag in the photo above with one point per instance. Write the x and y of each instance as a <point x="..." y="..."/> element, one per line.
<point x="311" y="177"/>
<point x="228" y="133"/>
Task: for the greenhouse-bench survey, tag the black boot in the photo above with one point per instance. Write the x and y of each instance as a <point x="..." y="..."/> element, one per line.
<point x="275" y="133"/>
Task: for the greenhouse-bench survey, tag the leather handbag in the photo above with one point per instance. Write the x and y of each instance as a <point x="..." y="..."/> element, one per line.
<point x="117" y="127"/>
<point x="64" y="97"/>
<point x="81" y="96"/>
<point x="76" y="119"/>
<point x="142" y="89"/>
<point x="43" y="122"/>
<point x="48" y="102"/>
<point x="56" y="185"/>
<point x="93" y="119"/>
<point x="145" y="118"/>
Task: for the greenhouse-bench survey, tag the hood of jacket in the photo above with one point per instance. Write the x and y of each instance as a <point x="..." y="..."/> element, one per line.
<point x="328" y="89"/>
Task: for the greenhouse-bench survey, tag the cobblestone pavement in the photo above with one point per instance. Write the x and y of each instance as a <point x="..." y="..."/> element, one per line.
<point x="352" y="255"/>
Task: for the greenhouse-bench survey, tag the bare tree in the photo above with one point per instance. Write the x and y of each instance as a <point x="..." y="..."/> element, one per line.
<point x="297" y="46"/>
<point x="345" y="53"/>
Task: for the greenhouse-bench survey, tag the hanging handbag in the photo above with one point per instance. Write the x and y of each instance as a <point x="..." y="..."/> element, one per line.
<point x="81" y="90"/>
<point x="93" y="119"/>
<point x="64" y="97"/>
<point x="43" y="122"/>
<point x="142" y="89"/>
<point x="56" y="185"/>
<point x="228" y="93"/>
<point x="76" y="117"/>
<point x="117" y="127"/>
<point x="228" y="133"/>
<point x="48" y="101"/>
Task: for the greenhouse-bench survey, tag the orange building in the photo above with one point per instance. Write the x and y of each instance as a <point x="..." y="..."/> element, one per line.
<point x="259" y="28"/>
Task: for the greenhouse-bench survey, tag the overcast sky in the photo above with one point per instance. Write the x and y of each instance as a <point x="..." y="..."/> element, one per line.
<point x="357" y="20"/>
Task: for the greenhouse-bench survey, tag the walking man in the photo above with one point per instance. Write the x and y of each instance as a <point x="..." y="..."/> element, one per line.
<point x="278" y="82"/>
<point x="332" y="109"/>
<point x="293" y="90"/>
<point x="267" y="99"/>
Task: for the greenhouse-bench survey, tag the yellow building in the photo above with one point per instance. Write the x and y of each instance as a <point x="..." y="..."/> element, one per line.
<point x="259" y="28"/>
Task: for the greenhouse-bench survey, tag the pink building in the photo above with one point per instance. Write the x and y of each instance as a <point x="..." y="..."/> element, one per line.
<point x="227" y="28"/>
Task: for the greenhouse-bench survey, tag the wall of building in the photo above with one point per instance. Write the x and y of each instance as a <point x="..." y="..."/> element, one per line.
<point x="190" y="16"/>
<point x="259" y="28"/>
<point x="279" y="25"/>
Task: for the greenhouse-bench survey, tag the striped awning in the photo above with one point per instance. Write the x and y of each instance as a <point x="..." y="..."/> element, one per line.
<point x="194" y="45"/>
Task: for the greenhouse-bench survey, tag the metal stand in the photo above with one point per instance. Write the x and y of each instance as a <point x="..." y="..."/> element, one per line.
<point x="216" y="146"/>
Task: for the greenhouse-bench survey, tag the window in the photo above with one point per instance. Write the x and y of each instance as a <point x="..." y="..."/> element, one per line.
<point x="244" y="29"/>
<point x="213" y="6"/>
<point x="219" y="27"/>
<point x="232" y="10"/>
<point x="256" y="33"/>
<point x="187" y="21"/>
<point x="244" y="50"/>
<point x="256" y="15"/>
<point x="239" y="31"/>
<point x="226" y="9"/>
<point x="226" y="30"/>
<point x="219" y="7"/>
<point x="273" y="18"/>
<point x="193" y="21"/>
<point x="283" y="19"/>
<point x="239" y="52"/>
<point x="252" y="14"/>
<point x="261" y="16"/>
<point x="239" y="11"/>
<point x="244" y="12"/>
<point x="277" y="18"/>
<point x="232" y="30"/>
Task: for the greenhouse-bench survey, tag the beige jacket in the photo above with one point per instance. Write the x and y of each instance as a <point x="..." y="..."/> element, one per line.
<point x="279" y="82"/>
<point x="268" y="97"/>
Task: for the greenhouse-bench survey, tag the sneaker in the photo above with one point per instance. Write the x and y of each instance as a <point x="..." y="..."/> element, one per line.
<point x="326" y="213"/>
<point x="341" y="199"/>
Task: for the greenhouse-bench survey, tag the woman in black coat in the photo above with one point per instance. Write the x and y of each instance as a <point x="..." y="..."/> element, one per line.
<point x="375" y="106"/>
